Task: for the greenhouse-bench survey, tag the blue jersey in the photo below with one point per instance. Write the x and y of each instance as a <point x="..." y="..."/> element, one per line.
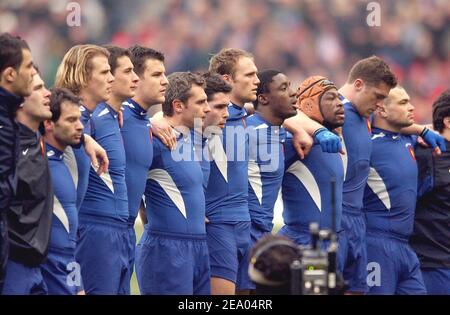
<point x="137" y="138"/>
<point x="265" y="169"/>
<point x="391" y="191"/>
<point x="65" y="214"/>
<point x="356" y="143"/>
<point x="175" y="200"/>
<point x="227" y="191"/>
<point x="307" y="189"/>
<point x="78" y="161"/>
<point x="202" y="154"/>
<point x="106" y="195"/>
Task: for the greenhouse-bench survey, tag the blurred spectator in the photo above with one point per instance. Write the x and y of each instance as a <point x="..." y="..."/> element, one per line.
<point x="307" y="37"/>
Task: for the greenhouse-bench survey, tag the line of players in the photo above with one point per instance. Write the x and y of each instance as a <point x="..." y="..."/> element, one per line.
<point x="210" y="174"/>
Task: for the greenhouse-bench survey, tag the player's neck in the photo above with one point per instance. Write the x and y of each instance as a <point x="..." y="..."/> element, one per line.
<point x="141" y="102"/>
<point x="175" y="121"/>
<point x="237" y="102"/>
<point x="347" y="91"/>
<point x="268" y="116"/>
<point x="88" y="101"/>
<point x="7" y="88"/>
<point x="27" y="120"/>
<point x="115" y="103"/>
<point x="446" y="134"/>
<point x="383" y="124"/>
<point x="50" y="139"/>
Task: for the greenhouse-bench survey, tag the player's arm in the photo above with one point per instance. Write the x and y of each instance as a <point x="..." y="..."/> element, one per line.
<point x="329" y="142"/>
<point x="162" y="130"/>
<point x="432" y="138"/>
<point x="97" y="154"/>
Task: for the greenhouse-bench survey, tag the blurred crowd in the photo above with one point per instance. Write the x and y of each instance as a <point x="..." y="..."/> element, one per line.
<point x="299" y="37"/>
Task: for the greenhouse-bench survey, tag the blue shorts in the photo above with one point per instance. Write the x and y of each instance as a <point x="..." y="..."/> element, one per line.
<point x="228" y="244"/>
<point x="299" y="236"/>
<point x="131" y="252"/>
<point x="173" y="264"/>
<point x="243" y="279"/>
<point x="23" y="280"/>
<point x="393" y="266"/>
<point x="437" y="280"/>
<point x="61" y="273"/>
<point x="352" y="252"/>
<point x="103" y="254"/>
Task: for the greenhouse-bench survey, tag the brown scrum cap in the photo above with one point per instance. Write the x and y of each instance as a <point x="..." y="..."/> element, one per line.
<point x="309" y="94"/>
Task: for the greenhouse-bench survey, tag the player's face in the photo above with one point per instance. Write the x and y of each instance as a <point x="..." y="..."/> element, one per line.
<point x="218" y="114"/>
<point x="245" y="81"/>
<point x="68" y="128"/>
<point x="99" y="85"/>
<point x="332" y="109"/>
<point x="23" y="82"/>
<point x="282" y="98"/>
<point x="125" y="79"/>
<point x="196" y="107"/>
<point x="399" y="110"/>
<point x="369" y="97"/>
<point x="153" y="82"/>
<point x="36" y="106"/>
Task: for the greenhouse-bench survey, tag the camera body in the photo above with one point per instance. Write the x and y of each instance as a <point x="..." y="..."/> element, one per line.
<point x="315" y="271"/>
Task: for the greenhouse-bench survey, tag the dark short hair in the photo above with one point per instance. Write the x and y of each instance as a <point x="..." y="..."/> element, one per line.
<point x="373" y="71"/>
<point x="139" y="56"/>
<point x="114" y="54"/>
<point x="179" y="88"/>
<point x="265" y="77"/>
<point x="59" y="96"/>
<point x="11" y="51"/>
<point x="215" y="84"/>
<point x="441" y="109"/>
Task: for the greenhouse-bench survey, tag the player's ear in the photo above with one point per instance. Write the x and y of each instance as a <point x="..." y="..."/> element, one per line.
<point x="228" y="78"/>
<point x="177" y="106"/>
<point x="358" y="84"/>
<point x="446" y="122"/>
<point x="8" y="75"/>
<point x="48" y="125"/>
<point x="262" y="99"/>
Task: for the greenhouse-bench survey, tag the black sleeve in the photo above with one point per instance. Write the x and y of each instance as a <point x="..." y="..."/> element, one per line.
<point x="8" y="157"/>
<point x="425" y="181"/>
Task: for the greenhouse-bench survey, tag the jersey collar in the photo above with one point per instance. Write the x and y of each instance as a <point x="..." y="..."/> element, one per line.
<point x="235" y="112"/>
<point x="390" y="134"/>
<point x="53" y="153"/>
<point x="135" y="108"/>
<point x="271" y="129"/>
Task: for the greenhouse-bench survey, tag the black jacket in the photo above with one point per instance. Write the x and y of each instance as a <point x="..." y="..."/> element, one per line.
<point x="9" y="144"/>
<point x="431" y="237"/>
<point x="30" y="212"/>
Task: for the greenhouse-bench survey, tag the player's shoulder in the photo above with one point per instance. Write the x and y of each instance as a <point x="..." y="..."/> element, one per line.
<point x="158" y="147"/>
<point x="126" y="111"/>
<point x="101" y="113"/>
<point x="252" y="120"/>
